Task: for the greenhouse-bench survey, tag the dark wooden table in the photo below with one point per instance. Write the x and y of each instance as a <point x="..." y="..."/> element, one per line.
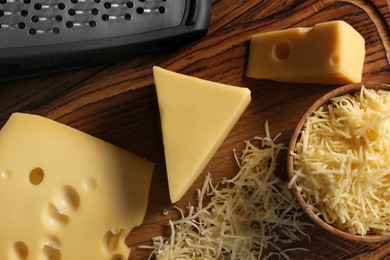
<point x="117" y="102"/>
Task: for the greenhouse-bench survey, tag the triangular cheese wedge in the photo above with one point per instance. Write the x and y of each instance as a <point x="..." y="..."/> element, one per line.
<point x="196" y="116"/>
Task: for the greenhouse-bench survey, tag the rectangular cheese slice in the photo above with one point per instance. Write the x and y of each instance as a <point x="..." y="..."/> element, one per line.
<point x="328" y="53"/>
<point x="196" y="116"/>
<point x="65" y="194"/>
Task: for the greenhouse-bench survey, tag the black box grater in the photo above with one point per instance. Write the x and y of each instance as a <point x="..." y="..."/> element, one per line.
<point x="42" y="36"/>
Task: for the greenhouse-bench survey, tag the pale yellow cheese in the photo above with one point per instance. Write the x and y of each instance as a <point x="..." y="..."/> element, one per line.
<point x="250" y="216"/>
<point x="196" y="116"/>
<point x="328" y="53"/>
<point x="341" y="162"/>
<point x="65" y="194"/>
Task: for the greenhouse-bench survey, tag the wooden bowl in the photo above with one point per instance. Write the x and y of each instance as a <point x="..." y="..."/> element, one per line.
<point x="290" y="162"/>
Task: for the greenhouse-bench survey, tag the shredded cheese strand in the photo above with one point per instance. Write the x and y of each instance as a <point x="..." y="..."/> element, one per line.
<point x="248" y="217"/>
<point x="342" y="162"/>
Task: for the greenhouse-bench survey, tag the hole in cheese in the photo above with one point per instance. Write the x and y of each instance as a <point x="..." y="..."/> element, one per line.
<point x="67" y="199"/>
<point x="51" y="252"/>
<point x="89" y="184"/>
<point x="19" y="251"/>
<point x="111" y="240"/>
<point x="335" y="59"/>
<point x="36" y="176"/>
<point x="53" y="218"/>
<point x="282" y="50"/>
<point x="5" y="174"/>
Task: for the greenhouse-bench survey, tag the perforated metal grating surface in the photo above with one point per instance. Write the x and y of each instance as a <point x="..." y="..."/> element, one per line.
<point x="41" y="22"/>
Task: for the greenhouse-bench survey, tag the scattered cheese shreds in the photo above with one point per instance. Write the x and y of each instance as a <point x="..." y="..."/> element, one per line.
<point x="247" y="217"/>
<point x="342" y="162"/>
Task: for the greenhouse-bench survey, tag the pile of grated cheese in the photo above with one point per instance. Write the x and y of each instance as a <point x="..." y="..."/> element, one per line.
<point x="247" y="217"/>
<point x="342" y="162"/>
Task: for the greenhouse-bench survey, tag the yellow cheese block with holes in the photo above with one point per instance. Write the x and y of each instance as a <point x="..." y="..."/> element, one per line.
<point x="196" y="116"/>
<point x="328" y="53"/>
<point x="65" y="194"/>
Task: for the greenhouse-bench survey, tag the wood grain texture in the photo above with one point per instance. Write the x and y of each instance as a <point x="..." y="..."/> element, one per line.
<point x="117" y="102"/>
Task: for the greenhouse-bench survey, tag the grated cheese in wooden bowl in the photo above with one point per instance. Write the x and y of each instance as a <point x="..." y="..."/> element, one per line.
<point x="248" y="216"/>
<point x="341" y="163"/>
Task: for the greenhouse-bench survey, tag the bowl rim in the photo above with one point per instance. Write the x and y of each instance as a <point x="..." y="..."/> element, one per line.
<point x="350" y="88"/>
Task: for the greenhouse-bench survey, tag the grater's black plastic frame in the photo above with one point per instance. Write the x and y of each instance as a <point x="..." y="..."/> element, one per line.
<point x="22" y="62"/>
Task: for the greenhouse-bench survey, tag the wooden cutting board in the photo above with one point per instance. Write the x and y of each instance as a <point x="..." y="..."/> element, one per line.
<point x="117" y="102"/>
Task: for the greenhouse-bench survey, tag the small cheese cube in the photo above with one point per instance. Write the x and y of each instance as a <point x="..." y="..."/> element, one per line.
<point x="65" y="194"/>
<point x="328" y="53"/>
<point x="196" y="116"/>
